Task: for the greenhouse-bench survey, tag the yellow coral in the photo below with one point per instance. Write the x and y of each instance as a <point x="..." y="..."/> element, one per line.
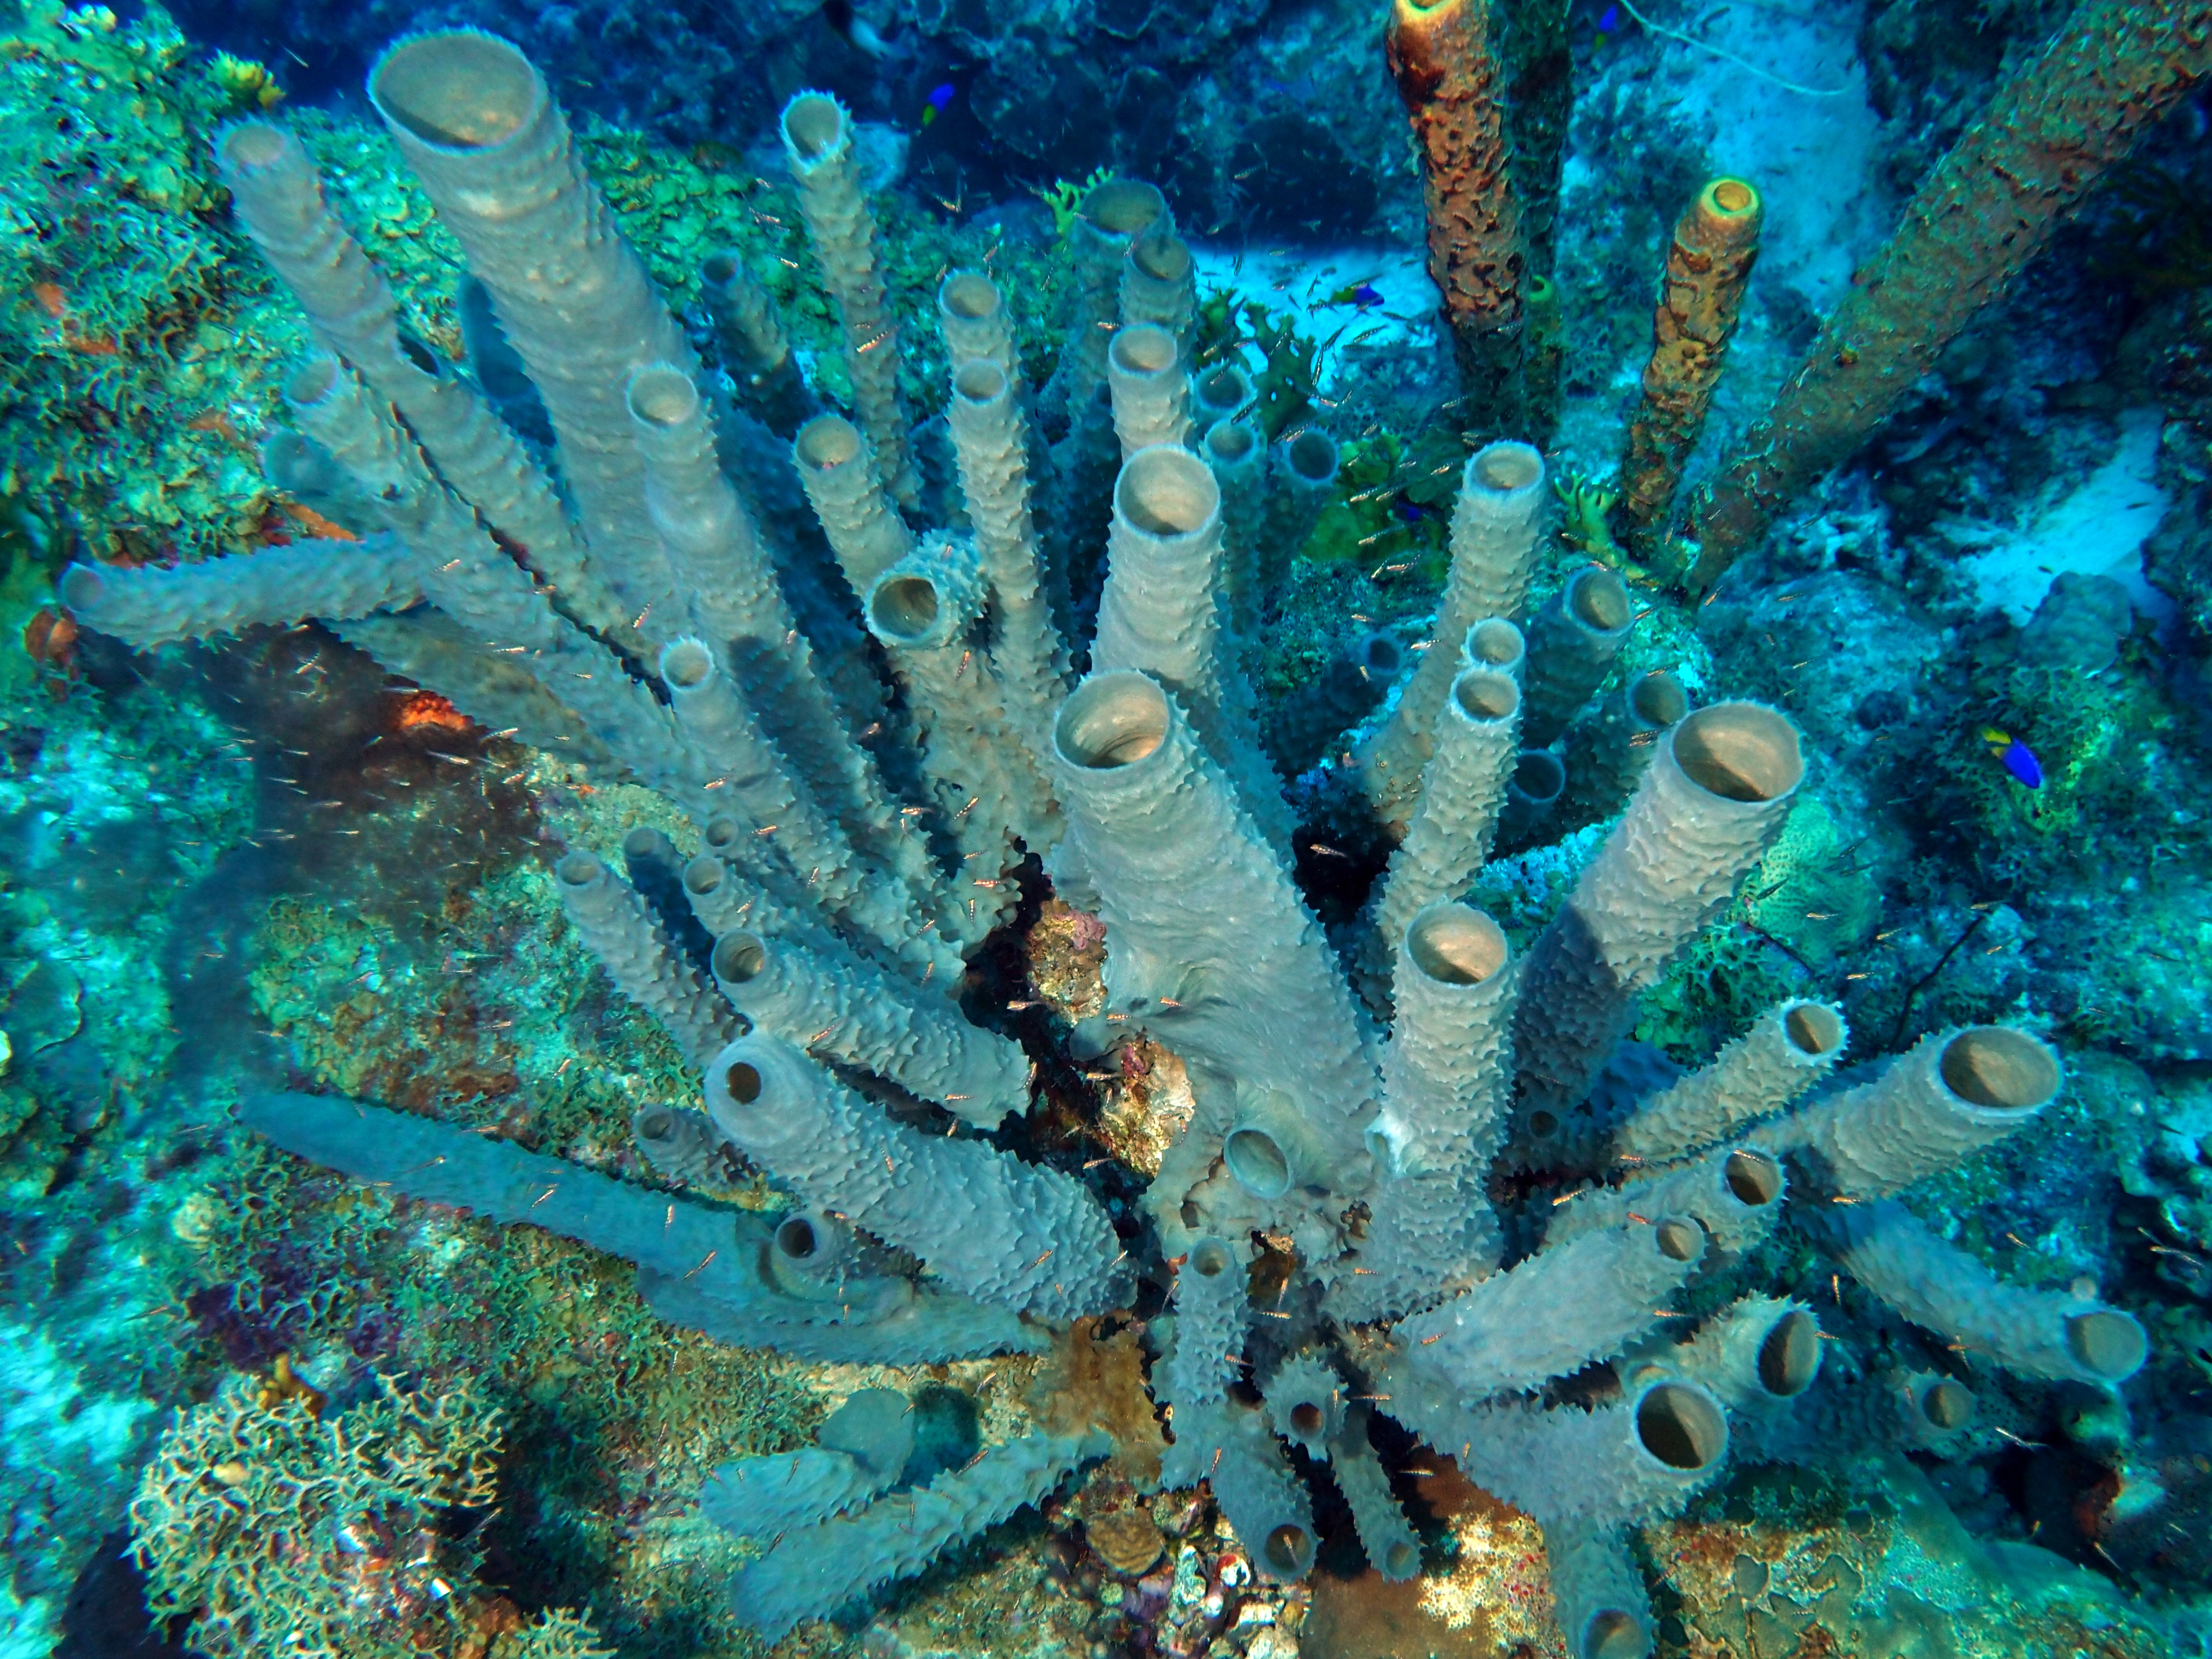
<point x="246" y="82"/>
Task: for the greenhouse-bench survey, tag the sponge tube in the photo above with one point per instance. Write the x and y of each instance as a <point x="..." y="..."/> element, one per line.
<point x="474" y="581"/>
<point x="476" y="122"/>
<point x="1938" y="1287"/>
<point x="846" y="491"/>
<point x="1569" y="1303"/>
<point x="1572" y="642"/>
<point x="1159" y="283"/>
<point x="1212" y="1314"/>
<point x="815" y="1571"/>
<point x="737" y="601"/>
<point x="1462" y="791"/>
<point x="619" y="930"/>
<point x="279" y="197"/>
<point x="149" y="606"/>
<point x="683" y="1144"/>
<point x="1160" y="613"/>
<point x="1305" y="1397"/>
<point x="1446" y="64"/>
<point x="1642" y="1457"/>
<point x="1303" y="478"/>
<point x="1789" y="1049"/>
<point x="1447" y="1075"/>
<point x="1393" y="1549"/>
<point x="1716" y="245"/>
<point x="1607" y="753"/>
<point x="1538" y="779"/>
<point x="755" y="348"/>
<point x="727" y="579"/>
<point x="1006" y="1232"/>
<point x="1597" y="1595"/>
<point x="829" y="1001"/>
<point x="986" y="783"/>
<point x="1760" y="1356"/>
<point x="989" y="445"/>
<point x="861" y="1448"/>
<point x="814" y="853"/>
<point x="1200" y="911"/>
<point x="1710" y="804"/>
<point x="1493" y="541"/>
<point x="1497" y="644"/>
<point x="1360" y="675"/>
<point x="1113" y="216"/>
<point x="727" y="896"/>
<point x="1237" y="451"/>
<point x="1151" y="391"/>
<point x="1735" y="1195"/>
<point x="697" y="1266"/>
<point x="1266" y="1505"/>
<point x="1222" y="392"/>
<point x="974" y="320"/>
<point x="1951" y="1094"/>
<point x="817" y="144"/>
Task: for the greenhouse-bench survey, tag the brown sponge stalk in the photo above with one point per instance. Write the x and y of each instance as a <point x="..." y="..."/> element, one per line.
<point x="1988" y="207"/>
<point x="1715" y="244"/>
<point x="1448" y="72"/>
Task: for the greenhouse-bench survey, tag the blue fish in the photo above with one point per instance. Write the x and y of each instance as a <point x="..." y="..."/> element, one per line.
<point x="1610" y="21"/>
<point x="1411" y="512"/>
<point x="2016" y="756"/>
<point x="939" y="96"/>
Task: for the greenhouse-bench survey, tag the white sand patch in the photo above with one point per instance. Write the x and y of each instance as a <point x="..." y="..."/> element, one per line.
<point x="2098" y="529"/>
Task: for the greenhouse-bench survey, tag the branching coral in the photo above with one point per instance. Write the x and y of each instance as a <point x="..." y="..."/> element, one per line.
<point x="274" y="1524"/>
<point x="1336" y="1158"/>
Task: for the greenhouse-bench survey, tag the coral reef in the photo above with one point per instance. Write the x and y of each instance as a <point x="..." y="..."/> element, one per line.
<point x="831" y="1042"/>
<point x="1175" y="830"/>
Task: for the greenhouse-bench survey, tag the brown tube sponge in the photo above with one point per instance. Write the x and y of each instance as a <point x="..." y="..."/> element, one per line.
<point x="1447" y="70"/>
<point x="1715" y="244"/>
<point x="1990" y="206"/>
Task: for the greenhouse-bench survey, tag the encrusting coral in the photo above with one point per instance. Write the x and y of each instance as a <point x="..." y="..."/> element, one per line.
<point x="1340" y="1148"/>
